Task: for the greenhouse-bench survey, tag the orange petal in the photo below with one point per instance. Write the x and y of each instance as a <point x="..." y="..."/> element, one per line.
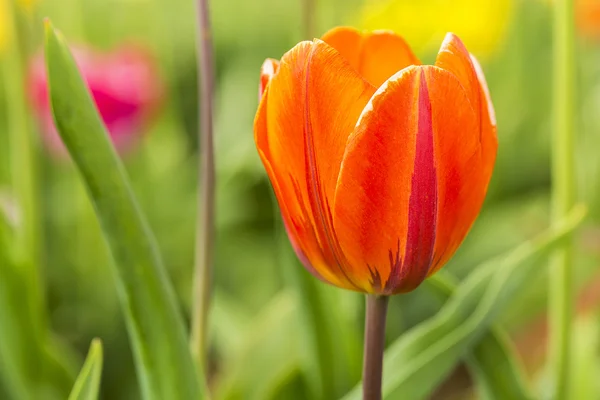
<point x="488" y="107"/>
<point x="489" y="140"/>
<point x="454" y="58"/>
<point x="374" y="188"/>
<point x="375" y="55"/>
<point x="464" y="157"/>
<point x="267" y="70"/>
<point x="411" y="182"/>
<point x="464" y="204"/>
<point x="347" y="41"/>
<point x="307" y="113"/>
<point x="383" y="54"/>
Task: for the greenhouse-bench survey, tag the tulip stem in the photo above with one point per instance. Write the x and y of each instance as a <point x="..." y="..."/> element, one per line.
<point x="563" y="197"/>
<point x="206" y="202"/>
<point x="374" y="345"/>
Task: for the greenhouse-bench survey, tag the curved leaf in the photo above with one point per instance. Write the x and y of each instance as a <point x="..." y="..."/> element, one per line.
<point x="495" y="368"/>
<point x="87" y="384"/>
<point x="492" y="361"/>
<point x="419" y="360"/>
<point x="30" y="367"/>
<point x="268" y="355"/>
<point x="154" y="321"/>
<point x="318" y="340"/>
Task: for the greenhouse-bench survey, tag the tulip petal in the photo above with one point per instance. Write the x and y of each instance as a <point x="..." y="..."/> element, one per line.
<point x="267" y="70"/>
<point x="347" y="41"/>
<point x="489" y="113"/>
<point x="465" y="160"/>
<point x="460" y="202"/>
<point x="304" y="119"/>
<point x="373" y="195"/>
<point x="409" y="187"/>
<point x="375" y="55"/>
<point x="455" y="58"/>
<point x="489" y="140"/>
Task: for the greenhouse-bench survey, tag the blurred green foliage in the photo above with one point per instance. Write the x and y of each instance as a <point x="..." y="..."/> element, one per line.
<point x="259" y="336"/>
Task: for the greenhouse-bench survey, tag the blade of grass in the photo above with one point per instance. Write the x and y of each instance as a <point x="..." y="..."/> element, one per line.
<point x="28" y="370"/>
<point x="154" y="321"/>
<point x="418" y="361"/>
<point x="22" y="166"/>
<point x="496" y="369"/>
<point x="268" y="354"/>
<point x="585" y="364"/>
<point x="87" y="385"/>
<point x="492" y="361"/>
<point x="560" y="294"/>
<point x="318" y="360"/>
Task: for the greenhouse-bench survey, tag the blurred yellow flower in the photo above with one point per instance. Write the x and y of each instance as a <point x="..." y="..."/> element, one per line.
<point x="5" y="30"/>
<point x="27" y="5"/>
<point x="480" y="23"/>
<point x="6" y="19"/>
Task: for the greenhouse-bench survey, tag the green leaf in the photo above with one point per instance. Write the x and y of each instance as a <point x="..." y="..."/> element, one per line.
<point x="496" y="370"/>
<point x="154" y="321"/>
<point x="420" y="359"/>
<point x="585" y="364"/>
<point x="87" y="385"/>
<point x="492" y="361"/>
<point x="318" y="339"/>
<point x="318" y="359"/>
<point x="269" y="354"/>
<point x="326" y="335"/>
<point x="28" y="368"/>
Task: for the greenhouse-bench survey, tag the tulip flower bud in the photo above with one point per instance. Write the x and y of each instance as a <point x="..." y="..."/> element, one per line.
<point x="125" y="85"/>
<point x="380" y="165"/>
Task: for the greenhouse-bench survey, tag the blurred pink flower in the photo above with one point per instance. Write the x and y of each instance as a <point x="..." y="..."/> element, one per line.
<point x="124" y="83"/>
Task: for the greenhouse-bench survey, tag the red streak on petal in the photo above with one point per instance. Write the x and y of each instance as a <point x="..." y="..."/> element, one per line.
<point x="408" y="273"/>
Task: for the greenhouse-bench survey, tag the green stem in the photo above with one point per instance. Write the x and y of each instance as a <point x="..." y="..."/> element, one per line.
<point x="374" y="346"/>
<point x="309" y="19"/>
<point x="563" y="196"/>
<point x="22" y="163"/>
<point x="206" y="201"/>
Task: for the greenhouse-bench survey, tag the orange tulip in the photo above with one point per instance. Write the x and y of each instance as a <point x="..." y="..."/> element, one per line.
<point x="380" y="165"/>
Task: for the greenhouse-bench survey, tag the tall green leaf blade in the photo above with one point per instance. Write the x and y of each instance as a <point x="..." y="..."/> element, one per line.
<point x="419" y="360"/>
<point x="584" y="363"/>
<point x="154" y="321"/>
<point x="318" y="359"/>
<point x="268" y="355"/>
<point x="328" y="358"/>
<point x="495" y="368"/>
<point x="87" y="385"/>
<point x="492" y="361"/>
<point x="333" y="347"/>
<point x="30" y="369"/>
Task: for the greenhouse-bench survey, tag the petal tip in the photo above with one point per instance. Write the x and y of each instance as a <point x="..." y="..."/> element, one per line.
<point x="484" y="87"/>
<point x="453" y="39"/>
<point x="340" y="30"/>
<point x="267" y="70"/>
